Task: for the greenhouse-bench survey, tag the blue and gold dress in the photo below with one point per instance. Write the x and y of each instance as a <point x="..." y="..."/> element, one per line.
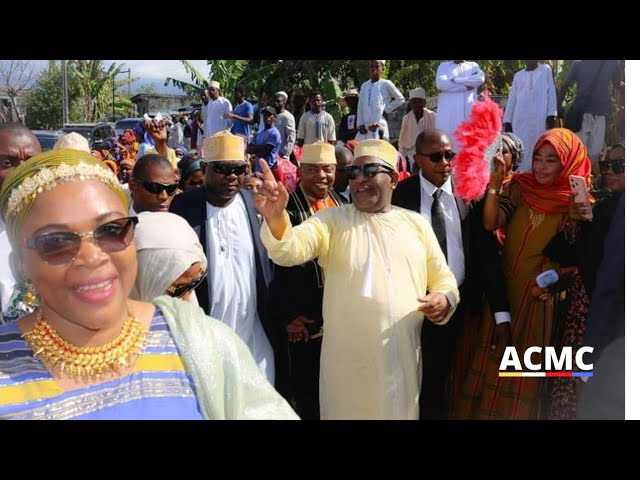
<point x="157" y="388"/>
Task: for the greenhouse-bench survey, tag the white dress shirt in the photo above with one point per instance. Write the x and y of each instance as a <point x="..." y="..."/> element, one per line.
<point x="455" y="250"/>
<point x="453" y="224"/>
<point x="232" y="279"/>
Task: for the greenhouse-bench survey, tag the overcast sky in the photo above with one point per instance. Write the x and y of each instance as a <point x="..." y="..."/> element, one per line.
<point x="153" y="71"/>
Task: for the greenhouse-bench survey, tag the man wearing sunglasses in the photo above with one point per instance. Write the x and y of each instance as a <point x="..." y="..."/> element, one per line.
<point x="239" y="272"/>
<point x="153" y="184"/>
<point x="378" y="262"/>
<point x="296" y="292"/>
<point x="17" y="144"/>
<point x="459" y="233"/>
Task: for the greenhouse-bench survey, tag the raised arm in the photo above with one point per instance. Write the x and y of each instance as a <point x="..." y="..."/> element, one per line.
<point x="493" y="216"/>
<point x="287" y="246"/>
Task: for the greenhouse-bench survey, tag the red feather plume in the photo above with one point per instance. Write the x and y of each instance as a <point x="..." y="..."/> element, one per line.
<point x="475" y="137"/>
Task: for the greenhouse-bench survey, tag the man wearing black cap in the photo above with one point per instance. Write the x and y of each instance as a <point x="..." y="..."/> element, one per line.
<point x="266" y="143"/>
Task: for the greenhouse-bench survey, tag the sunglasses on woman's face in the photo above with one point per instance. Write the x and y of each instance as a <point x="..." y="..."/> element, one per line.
<point x="616" y="165"/>
<point x="61" y="248"/>
<point x="180" y="290"/>
<point x="368" y="170"/>
<point x="438" y="156"/>
<point x="226" y="169"/>
<point x="156" y="188"/>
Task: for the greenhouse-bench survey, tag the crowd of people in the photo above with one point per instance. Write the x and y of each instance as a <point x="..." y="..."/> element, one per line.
<point x="299" y="270"/>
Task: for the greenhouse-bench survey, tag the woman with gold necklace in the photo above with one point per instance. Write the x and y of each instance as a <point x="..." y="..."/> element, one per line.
<point x="88" y="352"/>
<point x="533" y="207"/>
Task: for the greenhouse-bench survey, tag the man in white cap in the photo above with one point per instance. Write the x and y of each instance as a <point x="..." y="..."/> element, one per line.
<point x="377" y="95"/>
<point x="239" y="272"/>
<point x="374" y="300"/>
<point x="296" y="292"/>
<point x="286" y="125"/>
<point x="419" y="119"/>
<point x="216" y="111"/>
<point x="457" y="82"/>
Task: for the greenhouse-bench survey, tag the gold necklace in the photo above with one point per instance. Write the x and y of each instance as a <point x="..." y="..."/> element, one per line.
<point x="87" y="362"/>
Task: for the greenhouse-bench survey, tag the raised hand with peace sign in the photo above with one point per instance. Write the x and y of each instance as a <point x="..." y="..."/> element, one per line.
<point x="271" y="201"/>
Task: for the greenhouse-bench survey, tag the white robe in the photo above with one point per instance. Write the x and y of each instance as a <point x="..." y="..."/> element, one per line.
<point x="531" y="100"/>
<point x="232" y="279"/>
<point x="455" y="99"/>
<point x="410" y="130"/>
<point x="371" y="359"/>
<point x="214" y="120"/>
<point x="376" y="98"/>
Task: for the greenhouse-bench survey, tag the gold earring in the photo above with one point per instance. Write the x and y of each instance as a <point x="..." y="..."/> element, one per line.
<point x="31" y="297"/>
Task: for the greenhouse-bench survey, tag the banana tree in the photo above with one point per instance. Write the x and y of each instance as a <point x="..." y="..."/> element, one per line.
<point x="97" y="87"/>
<point x="228" y="73"/>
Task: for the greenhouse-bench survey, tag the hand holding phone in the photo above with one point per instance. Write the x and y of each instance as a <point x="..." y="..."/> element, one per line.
<point x="578" y="186"/>
<point x="547" y="278"/>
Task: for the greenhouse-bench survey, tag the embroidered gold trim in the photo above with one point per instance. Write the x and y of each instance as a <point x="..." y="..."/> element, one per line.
<point x="46" y="178"/>
<point x="536" y="218"/>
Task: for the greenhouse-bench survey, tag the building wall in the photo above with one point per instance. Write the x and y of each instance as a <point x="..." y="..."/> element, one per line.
<point x="160" y="103"/>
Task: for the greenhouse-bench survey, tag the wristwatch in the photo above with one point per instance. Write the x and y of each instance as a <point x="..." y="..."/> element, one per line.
<point x="493" y="191"/>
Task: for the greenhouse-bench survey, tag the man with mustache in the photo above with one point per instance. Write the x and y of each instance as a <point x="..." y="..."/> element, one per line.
<point x="460" y="234"/>
<point x="378" y="262"/>
<point x="296" y="292"/>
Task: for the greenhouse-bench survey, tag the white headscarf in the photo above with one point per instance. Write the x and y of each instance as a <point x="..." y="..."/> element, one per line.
<point x="166" y="246"/>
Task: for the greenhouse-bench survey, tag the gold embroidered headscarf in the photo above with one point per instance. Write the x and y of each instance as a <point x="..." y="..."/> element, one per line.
<point x="43" y="172"/>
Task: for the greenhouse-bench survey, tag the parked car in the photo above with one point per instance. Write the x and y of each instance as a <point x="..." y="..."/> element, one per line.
<point x="95" y="133"/>
<point x="125" y="124"/>
<point x="47" y="138"/>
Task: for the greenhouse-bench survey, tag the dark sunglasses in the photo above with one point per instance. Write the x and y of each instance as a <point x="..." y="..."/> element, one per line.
<point x="225" y="169"/>
<point x="616" y="165"/>
<point x="368" y="170"/>
<point x="182" y="289"/>
<point x="61" y="248"/>
<point x="438" y="156"/>
<point x="156" y="188"/>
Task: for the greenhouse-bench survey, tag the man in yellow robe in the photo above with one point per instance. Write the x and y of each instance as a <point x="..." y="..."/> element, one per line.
<point x="379" y="261"/>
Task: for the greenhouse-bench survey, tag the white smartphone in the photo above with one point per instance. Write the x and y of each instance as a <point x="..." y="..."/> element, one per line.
<point x="579" y="185"/>
<point x="547" y="278"/>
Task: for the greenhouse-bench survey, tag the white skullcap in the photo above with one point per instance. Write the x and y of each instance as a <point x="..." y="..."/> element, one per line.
<point x="73" y="141"/>
<point x="417" y="93"/>
<point x="284" y="94"/>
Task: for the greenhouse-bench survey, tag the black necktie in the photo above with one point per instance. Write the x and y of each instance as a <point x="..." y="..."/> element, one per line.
<point x="437" y="221"/>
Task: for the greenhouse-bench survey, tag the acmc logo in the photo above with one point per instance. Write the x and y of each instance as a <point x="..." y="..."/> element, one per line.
<point x="554" y="366"/>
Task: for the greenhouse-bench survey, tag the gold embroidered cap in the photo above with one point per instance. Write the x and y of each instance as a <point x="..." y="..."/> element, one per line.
<point x="379" y="149"/>
<point x="223" y="146"/>
<point x="318" y="153"/>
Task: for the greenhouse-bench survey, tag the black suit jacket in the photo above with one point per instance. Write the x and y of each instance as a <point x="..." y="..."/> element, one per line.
<point x="192" y="206"/>
<point x="299" y="290"/>
<point x="483" y="267"/>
